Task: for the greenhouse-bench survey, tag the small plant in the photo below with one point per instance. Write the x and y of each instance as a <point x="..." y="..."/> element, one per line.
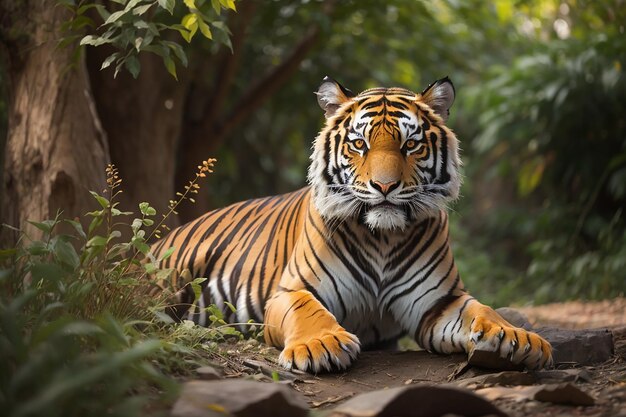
<point x="78" y="335"/>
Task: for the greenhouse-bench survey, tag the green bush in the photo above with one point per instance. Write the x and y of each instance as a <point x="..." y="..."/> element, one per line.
<point x="78" y="334"/>
<point x="69" y="341"/>
<point x="552" y="138"/>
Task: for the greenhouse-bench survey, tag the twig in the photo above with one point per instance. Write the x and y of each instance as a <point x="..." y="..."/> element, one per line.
<point x="362" y="383"/>
<point x="331" y="400"/>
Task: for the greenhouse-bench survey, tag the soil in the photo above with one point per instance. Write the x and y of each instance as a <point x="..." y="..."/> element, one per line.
<point x="605" y="382"/>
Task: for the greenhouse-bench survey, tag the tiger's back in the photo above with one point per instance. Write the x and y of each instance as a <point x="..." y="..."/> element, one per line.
<point x="241" y="249"/>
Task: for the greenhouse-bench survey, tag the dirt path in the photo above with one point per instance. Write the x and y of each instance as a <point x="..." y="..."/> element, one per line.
<point x="578" y="314"/>
<point x="605" y="382"/>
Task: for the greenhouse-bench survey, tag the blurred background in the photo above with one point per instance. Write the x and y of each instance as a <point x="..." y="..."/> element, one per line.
<point x="540" y="114"/>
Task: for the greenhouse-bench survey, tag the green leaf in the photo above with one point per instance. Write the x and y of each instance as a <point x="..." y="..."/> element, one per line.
<point x="190" y="22"/>
<point x="164" y="318"/>
<point x="66" y="254"/>
<point x="190" y="3"/>
<point x="131" y="4"/>
<point x="167" y="5"/>
<point x="178" y="51"/>
<point x="78" y="227"/>
<point x="232" y="307"/>
<point x="96" y="40"/>
<point x="102" y="11"/>
<point x="197" y="288"/>
<point x="114" y="17"/>
<point x="148" y="222"/>
<point x="114" y="235"/>
<point x="136" y="225"/>
<point x="215" y="312"/>
<point x="133" y="66"/>
<point x="116" y="212"/>
<point x="275" y="376"/>
<point x="140" y="244"/>
<point x="229" y="4"/>
<point x="84" y="8"/>
<point x="167" y="253"/>
<point x="45" y="226"/>
<point x="46" y="271"/>
<point x="150" y="267"/>
<point x="205" y="30"/>
<point x="138" y="42"/>
<point x="216" y="6"/>
<point x="104" y="203"/>
<point x="97" y="241"/>
<point x="164" y="274"/>
<point x="224" y="34"/>
<point x="170" y="66"/>
<point x="146" y="209"/>
<point x="37" y="248"/>
<point x="139" y="10"/>
<point x="80" y="22"/>
<point x="95" y="223"/>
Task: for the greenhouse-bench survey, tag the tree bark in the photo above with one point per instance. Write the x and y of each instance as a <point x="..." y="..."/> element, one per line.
<point x="56" y="151"/>
<point x="202" y="136"/>
<point x="142" y="119"/>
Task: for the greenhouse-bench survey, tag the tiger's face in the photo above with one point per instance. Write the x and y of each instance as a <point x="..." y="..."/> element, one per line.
<point x="385" y="155"/>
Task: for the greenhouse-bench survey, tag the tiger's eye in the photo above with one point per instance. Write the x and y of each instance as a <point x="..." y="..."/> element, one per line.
<point x="411" y="144"/>
<point x="359" y="144"/>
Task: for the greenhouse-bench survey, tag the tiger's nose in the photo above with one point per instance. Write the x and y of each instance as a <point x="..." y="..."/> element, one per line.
<point x="385" y="188"/>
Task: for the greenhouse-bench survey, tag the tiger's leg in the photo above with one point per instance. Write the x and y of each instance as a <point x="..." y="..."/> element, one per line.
<point x="309" y="334"/>
<point x="465" y="325"/>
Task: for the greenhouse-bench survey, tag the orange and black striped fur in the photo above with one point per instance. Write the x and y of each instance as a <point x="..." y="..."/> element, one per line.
<point x="362" y="256"/>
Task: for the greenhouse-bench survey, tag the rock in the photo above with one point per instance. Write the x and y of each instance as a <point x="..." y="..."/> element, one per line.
<point x="492" y="360"/>
<point x="208" y="373"/>
<point x="565" y="393"/>
<point x="515" y="317"/>
<point x="238" y="398"/>
<point x="562" y="375"/>
<point x="416" y="401"/>
<point x="584" y="347"/>
<point x="619" y="339"/>
<point x="501" y="378"/>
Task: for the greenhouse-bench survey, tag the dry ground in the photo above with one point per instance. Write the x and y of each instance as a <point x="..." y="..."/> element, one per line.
<point x="385" y="369"/>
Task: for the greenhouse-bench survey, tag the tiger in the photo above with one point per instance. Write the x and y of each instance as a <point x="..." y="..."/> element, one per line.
<point x="359" y="258"/>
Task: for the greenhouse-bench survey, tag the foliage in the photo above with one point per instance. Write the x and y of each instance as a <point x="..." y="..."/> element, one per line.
<point x="539" y="110"/>
<point x="135" y="26"/>
<point x="68" y="341"/>
<point x="551" y="126"/>
<point x="79" y="334"/>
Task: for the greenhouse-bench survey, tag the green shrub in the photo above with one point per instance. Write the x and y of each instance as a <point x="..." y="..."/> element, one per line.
<point x="78" y="334"/>
<point x="552" y="142"/>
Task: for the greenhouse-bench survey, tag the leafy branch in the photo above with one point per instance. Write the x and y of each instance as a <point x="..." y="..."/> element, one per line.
<point x="135" y="26"/>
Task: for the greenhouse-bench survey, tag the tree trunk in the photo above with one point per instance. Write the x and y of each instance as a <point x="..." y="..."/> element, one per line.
<point x="142" y="119"/>
<point x="55" y="151"/>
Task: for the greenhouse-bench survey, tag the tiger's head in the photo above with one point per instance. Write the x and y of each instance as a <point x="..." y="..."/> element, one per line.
<point x="384" y="155"/>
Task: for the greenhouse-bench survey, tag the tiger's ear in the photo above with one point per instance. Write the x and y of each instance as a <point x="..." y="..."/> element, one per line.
<point x="439" y="96"/>
<point x="331" y="95"/>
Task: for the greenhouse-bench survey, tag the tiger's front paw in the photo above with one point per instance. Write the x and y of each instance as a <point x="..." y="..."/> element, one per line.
<point x="512" y="343"/>
<point x="329" y="351"/>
